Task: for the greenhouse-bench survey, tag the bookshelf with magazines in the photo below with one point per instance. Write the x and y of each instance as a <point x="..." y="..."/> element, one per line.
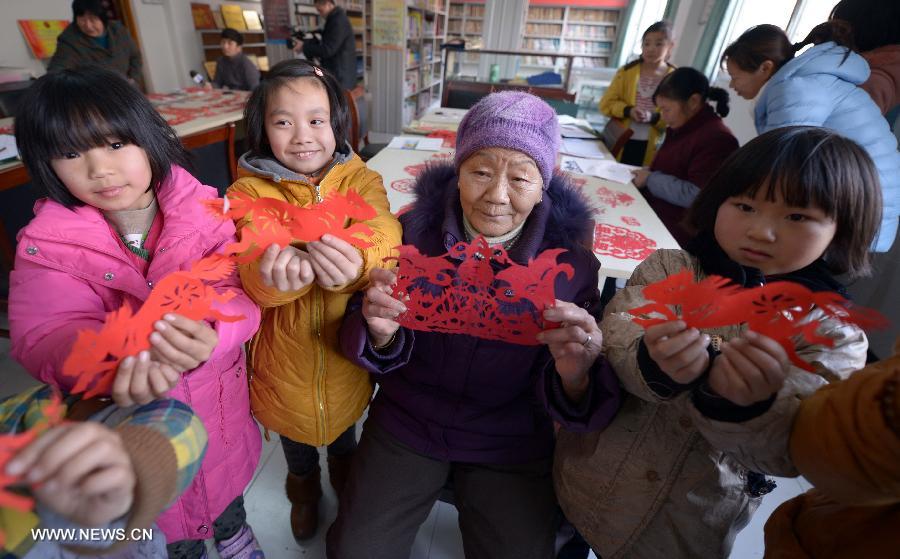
<point x="209" y="21"/>
<point x="306" y="18"/>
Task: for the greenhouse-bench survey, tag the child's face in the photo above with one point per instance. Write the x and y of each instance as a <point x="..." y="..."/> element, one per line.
<point x="772" y="236"/>
<point x="298" y="126"/>
<point x="111" y="177"/>
<point x="655" y="47"/>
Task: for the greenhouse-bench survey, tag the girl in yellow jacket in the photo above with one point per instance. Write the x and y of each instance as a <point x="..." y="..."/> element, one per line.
<point x="630" y="95"/>
<point x="302" y="387"/>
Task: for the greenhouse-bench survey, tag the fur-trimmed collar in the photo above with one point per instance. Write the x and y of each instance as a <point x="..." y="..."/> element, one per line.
<point x="565" y="213"/>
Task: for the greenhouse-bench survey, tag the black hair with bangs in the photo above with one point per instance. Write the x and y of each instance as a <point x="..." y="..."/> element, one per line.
<point x="82" y="108"/>
<point x="279" y="76"/>
<point x="809" y="167"/>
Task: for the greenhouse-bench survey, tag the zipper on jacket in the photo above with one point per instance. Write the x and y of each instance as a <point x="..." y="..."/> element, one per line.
<point x="319" y="375"/>
<point x="200" y="478"/>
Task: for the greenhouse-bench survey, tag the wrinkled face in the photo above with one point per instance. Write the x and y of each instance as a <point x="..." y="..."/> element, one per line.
<point x="498" y="188"/>
<point x="111" y="177"/>
<point x="298" y="126"/>
<point x="770" y="235"/>
<point x="229" y="47"/>
<point x="677" y="113"/>
<point x="747" y="84"/>
<point x="90" y="25"/>
<point x="655" y="47"/>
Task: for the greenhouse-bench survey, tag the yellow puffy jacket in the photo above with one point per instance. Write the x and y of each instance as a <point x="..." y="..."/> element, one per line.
<point x="302" y="386"/>
<point x="622" y="93"/>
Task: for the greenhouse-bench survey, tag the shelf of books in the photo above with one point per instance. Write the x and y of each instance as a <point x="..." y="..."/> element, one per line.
<point x="587" y="29"/>
<point x="417" y="66"/>
<point x="210" y="21"/>
<point x="308" y="19"/>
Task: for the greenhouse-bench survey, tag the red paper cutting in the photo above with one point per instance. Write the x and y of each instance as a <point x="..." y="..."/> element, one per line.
<point x="613" y="198"/>
<point x="10" y="445"/>
<point x="448" y="136"/>
<point x="779" y="310"/>
<point x="633" y="221"/>
<point x="96" y="354"/>
<point x="279" y="222"/>
<point x="477" y="290"/>
<point x="577" y="182"/>
<point x="621" y="242"/>
<point x="406" y="186"/>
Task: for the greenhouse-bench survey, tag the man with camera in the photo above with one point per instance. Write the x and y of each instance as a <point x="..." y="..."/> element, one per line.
<point x="336" y="49"/>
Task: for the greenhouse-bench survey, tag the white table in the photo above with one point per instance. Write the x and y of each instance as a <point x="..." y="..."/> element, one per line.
<point x="626" y="232"/>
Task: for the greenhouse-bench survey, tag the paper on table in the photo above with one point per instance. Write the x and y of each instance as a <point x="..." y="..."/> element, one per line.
<point x="593" y="149"/>
<point x="605" y="169"/>
<point x="8" y="148"/>
<point x="416" y="142"/>
<point x="575" y="131"/>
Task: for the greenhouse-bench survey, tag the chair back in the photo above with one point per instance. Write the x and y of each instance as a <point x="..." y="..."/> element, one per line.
<point x="358" y="105"/>
<point x="615" y="135"/>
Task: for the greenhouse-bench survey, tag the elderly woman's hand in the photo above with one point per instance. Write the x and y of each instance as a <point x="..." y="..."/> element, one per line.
<point x="380" y="308"/>
<point x="575" y="345"/>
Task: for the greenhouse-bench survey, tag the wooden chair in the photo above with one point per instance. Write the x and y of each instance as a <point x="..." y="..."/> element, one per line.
<point x="615" y="135"/>
<point x="358" y="105"/>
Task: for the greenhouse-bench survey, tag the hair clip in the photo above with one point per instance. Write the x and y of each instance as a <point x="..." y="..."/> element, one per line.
<point x="318" y="71"/>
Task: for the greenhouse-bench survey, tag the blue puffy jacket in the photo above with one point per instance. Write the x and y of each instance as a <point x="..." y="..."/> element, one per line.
<point x="819" y="88"/>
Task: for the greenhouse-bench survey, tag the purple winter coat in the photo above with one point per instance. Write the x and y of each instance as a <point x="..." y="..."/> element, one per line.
<point x="463" y="399"/>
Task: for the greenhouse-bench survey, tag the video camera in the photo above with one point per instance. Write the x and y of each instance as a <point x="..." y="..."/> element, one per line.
<point x="298" y="34"/>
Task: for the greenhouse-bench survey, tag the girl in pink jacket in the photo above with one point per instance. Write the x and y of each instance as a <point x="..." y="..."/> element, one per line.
<point x="122" y="214"/>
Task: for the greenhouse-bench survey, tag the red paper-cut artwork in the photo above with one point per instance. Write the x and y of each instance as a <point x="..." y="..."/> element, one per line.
<point x="448" y="136"/>
<point x="477" y="290"/>
<point x="96" y="354"/>
<point x="577" y="182"/>
<point x="276" y="221"/>
<point x="621" y="242"/>
<point x="629" y="220"/>
<point x="780" y="310"/>
<point x="10" y="445"/>
<point x="613" y="198"/>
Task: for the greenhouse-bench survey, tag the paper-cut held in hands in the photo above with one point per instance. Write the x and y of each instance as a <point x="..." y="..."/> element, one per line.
<point x="780" y="310"/>
<point x="478" y="290"/>
<point x="96" y="355"/>
<point x="49" y="416"/>
<point x="271" y="221"/>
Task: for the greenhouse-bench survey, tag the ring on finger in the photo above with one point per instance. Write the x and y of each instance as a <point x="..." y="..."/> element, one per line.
<point x="587" y="341"/>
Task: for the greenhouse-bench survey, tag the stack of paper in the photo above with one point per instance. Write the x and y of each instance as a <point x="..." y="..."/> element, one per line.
<point x="605" y="169"/>
<point x="416" y="142"/>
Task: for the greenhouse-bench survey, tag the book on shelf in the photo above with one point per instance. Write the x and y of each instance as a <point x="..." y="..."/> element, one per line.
<point x="210" y="66"/>
<point x="414" y="25"/>
<point x="233" y="16"/>
<point x="220" y="21"/>
<point x="262" y="62"/>
<point x="252" y="20"/>
<point x="203" y="16"/>
<point x="357" y="22"/>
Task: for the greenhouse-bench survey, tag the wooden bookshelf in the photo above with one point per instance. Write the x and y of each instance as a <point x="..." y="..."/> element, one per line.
<point x="589" y="32"/>
<point x="210" y="39"/>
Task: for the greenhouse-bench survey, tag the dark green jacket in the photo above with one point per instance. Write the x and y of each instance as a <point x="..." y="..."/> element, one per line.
<point x="74" y="48"/>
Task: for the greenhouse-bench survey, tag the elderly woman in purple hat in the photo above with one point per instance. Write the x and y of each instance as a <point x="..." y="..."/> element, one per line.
<point x="453" y="406"/>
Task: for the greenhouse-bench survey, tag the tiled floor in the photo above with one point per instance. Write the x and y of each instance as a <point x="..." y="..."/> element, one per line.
<point x="438" y="538"/>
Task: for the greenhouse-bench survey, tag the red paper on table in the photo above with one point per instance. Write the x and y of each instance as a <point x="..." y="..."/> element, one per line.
<point x="96" y="354"/>
<point x="779" y="310"/>
<point x="476" y="289"/>
<point x="10" y="445"/>
<point x="622" y="242"/>
<point x="282" y="223"/>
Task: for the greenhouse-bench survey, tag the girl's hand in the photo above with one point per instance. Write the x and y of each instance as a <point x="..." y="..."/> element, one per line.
<point x="141" y="380"/>
<point x="286" y="269"/>
<point x="575" y="345"/>
<point x="678" y="351"/>
<point x="640" y="115"/>
<point x="750" y="369"/>
<point x="380" y="308"/>
<point x="639" y="177"/>
<point x="335" y="261"/>
<point x="81" y="471"/>
<point x="181" y="342"/>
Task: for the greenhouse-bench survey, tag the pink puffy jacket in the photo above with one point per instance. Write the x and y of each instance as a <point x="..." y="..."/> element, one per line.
<point x="70" y="271"/>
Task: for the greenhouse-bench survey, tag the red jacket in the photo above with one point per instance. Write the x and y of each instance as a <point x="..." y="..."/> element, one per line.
<point x="693" y="152"/>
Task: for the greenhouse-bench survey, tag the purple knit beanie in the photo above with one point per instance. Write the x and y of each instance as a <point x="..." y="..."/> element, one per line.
<point x="513" y="120"/>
